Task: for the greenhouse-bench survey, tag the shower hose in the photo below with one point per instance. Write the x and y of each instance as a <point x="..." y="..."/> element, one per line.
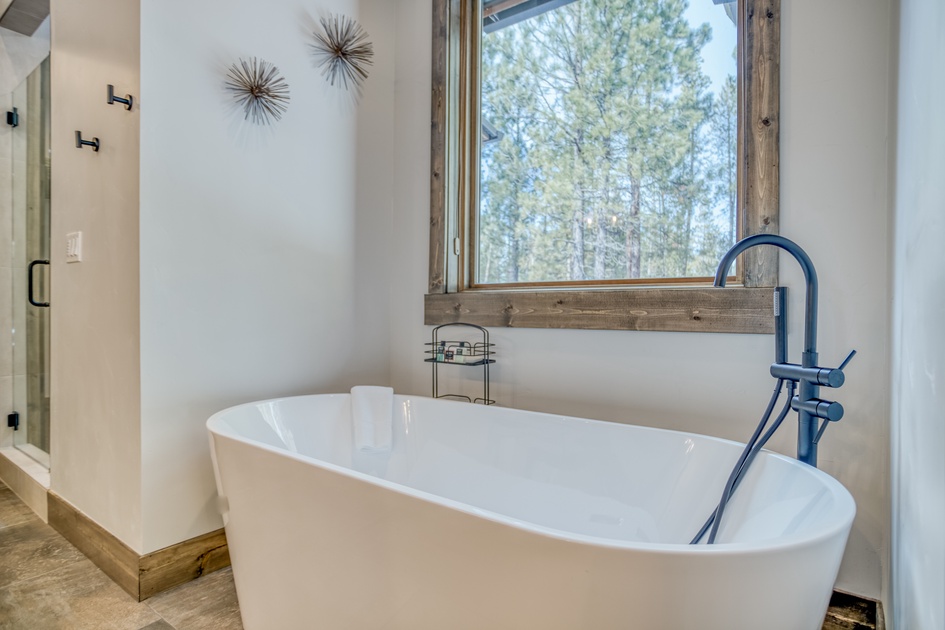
<point x="751" y="450"/>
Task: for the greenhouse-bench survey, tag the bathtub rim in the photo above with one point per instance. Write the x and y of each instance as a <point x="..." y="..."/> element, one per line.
<point x="217" y="426"/>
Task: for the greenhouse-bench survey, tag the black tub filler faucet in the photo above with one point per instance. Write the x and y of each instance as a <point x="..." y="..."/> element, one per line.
<point x="813" y="413"/>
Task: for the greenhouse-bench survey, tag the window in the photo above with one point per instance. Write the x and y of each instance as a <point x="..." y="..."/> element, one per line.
<point x="584" y="164"/>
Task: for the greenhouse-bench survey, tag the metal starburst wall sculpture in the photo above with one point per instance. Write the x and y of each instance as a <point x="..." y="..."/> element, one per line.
<point x="342" y="51"/>
<point x="259" y="90"/>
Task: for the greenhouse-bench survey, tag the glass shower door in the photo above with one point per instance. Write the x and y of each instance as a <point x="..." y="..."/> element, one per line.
<point x="30" y="265"/>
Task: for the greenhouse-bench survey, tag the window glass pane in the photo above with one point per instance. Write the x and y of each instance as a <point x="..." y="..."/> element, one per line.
<point x="608" y="139"/>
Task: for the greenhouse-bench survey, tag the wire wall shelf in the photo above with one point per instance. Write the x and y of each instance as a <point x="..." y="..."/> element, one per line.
<point x="465" y="345"/>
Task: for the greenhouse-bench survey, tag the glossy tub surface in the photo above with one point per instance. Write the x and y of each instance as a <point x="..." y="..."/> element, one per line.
<point x="492" y="518"/>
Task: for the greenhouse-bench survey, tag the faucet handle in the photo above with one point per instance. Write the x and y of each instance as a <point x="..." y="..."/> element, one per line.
<point x="827" y="377"/>
<point x="847" y="360"/>
<point x="826" y="409"/>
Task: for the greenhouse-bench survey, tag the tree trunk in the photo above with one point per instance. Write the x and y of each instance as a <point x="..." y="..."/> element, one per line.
<point x="515" y="253"/>
<point x="600" y="245"/>
<point x="600" y="230"/>
<point x="633" y="240"/>
<point x="689" y="200"/>
<point x="577" y="237"/>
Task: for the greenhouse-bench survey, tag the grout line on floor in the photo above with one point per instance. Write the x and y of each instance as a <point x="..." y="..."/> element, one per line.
<point x="160" y="616"/>
<point x="42" y="575"/>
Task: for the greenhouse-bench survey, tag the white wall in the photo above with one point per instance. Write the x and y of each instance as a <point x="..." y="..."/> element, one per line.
<point x="263" y="250"/>
<point x="918" y="382"/>
<point x="259" y="267"/>
<point x="95" y="449"/>
<point x="834" y="203"/>
<point x="835" y="160"/>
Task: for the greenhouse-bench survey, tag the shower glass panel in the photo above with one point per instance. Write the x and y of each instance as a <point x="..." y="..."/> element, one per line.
<point x="30" y="265"/>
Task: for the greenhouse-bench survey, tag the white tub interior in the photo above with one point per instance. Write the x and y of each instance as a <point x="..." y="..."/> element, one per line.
<point x="599" y="482"/>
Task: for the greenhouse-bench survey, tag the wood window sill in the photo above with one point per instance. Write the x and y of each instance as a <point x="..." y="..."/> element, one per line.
<point x="679" y="309"/>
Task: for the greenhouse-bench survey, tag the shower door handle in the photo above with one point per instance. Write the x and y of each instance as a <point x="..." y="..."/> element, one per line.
<point x="29" y="274"/>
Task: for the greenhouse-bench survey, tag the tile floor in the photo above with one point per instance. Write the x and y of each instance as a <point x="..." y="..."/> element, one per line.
<point x="47" y="584"/>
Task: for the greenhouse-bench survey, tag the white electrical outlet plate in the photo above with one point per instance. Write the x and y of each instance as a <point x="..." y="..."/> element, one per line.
<point x="74" y="247"/>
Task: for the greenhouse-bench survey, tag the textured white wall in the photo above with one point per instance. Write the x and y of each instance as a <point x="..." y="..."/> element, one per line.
<point x="259" y="269"/>
<point x="918" y="382"/>
<point x="95" y="449"/>
<point x="835" y="167"/>
<point x="834" y="204"/>
<point x="263" y="250"/>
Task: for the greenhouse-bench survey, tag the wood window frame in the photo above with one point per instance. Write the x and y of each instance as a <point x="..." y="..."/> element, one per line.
<point x="736" y="309"/>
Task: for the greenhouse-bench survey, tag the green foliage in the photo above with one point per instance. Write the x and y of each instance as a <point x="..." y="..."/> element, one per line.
<point x="614" y="160"/>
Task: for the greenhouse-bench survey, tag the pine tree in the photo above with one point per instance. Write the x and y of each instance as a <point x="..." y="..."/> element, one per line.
<point x="609" y="162"/>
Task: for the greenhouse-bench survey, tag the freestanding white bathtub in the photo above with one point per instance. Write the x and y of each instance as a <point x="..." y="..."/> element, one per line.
<point x="488" y="518"/>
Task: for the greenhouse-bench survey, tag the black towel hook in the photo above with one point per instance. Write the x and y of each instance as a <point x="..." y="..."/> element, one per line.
<point x="112" y="99"/>
<point x="79" y="142"/>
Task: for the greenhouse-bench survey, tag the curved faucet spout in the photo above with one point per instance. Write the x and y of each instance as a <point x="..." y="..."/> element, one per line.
<point x="810" y="276"/>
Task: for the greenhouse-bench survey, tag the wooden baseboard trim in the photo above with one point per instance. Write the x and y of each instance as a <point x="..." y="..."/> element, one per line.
<point x="116" y="559"/>
<point x="140" y="576"/>
<point x="169" y="567"/>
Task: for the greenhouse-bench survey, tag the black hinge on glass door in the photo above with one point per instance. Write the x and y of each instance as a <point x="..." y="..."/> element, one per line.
<point x="29" y="274"/>
<point x="13" y="421"/>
